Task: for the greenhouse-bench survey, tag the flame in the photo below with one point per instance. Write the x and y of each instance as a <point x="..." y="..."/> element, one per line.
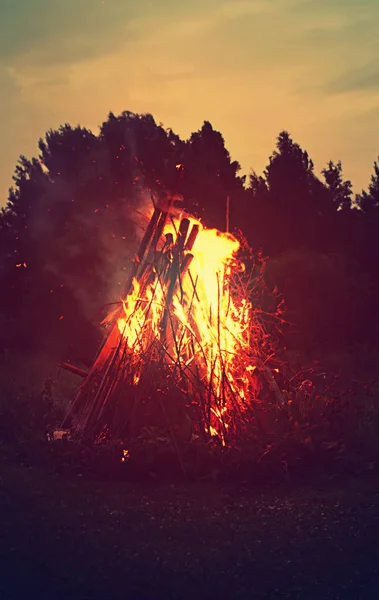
<point x="184" y="338"/>
<point x="125" y="455"/>
<point x="203" y="329"/>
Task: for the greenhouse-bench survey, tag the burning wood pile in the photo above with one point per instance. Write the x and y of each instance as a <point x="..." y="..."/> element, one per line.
<point x="178" y="351"/>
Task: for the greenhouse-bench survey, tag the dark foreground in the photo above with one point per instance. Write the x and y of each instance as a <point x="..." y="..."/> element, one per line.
<point x="75" y="539"/>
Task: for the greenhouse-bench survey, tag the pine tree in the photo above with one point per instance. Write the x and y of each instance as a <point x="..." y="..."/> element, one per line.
<point x="369" y="201"/>
<point x="340" y="191"/>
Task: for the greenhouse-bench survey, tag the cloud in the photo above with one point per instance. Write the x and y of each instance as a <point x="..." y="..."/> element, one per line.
<point x="364" y="79"/>
<point x="262" y="65"/>
<point x="345" y="5"/>
<point x="45" y="32"/>
<point x="197" y="19"/>
<point x="241" y="8"/>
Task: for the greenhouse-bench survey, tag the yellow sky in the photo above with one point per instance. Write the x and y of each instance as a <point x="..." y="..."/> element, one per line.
<point x="252" y="68"/>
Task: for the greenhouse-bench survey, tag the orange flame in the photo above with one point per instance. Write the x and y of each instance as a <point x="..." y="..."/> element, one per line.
<point x="207" y="329"/>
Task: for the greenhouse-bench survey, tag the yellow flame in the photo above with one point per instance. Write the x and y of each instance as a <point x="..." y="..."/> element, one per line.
<point x="206" y="328"/>
<point x="125" y="455"/>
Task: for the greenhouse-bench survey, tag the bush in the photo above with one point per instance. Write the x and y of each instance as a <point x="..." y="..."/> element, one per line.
<point x="25" y="415"/>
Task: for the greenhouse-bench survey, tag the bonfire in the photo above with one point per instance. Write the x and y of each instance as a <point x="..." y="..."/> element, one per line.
<point x="181" y="349"/>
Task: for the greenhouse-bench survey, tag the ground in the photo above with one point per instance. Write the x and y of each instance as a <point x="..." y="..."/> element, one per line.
<point x="77" y="539"/>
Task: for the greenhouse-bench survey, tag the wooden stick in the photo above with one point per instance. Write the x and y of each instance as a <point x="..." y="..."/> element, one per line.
<point x="73" y="369"/>
<point x="192" y="237"/>
<point x="142" y="249"/>
<point x="182" y="235"/>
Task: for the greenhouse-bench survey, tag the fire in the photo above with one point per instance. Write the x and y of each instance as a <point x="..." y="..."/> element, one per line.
<point x="125" y="455"/>
<point x="205" y="329"/>
<point x="184" y="329"/>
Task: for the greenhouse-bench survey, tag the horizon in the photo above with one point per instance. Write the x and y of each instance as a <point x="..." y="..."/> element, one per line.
<point x="251" y="67"/>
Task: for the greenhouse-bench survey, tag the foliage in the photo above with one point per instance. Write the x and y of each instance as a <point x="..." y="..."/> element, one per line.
<point x="25" y="415"/>
<point x="70" y="227"/>
<point x="319" y="431"/>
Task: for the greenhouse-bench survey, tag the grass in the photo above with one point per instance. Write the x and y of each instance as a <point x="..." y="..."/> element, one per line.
<point x="68" y="537"/>
<point x="293" y="515"/>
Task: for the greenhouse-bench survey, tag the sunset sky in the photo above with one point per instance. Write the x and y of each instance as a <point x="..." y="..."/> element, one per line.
<point x="251" y="67"/>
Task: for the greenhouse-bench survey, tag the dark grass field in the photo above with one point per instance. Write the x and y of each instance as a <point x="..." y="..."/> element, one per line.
<point x="78" y="539"/>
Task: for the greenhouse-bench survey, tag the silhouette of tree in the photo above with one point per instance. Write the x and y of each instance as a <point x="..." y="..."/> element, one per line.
<point x="289" y="171"/>
<point x="367" y="247"/>
<point x="67" y="153"/>
<point x="257" y="186"/>
<point x="36" y="299"/>
<point x="70" y="227"/>
<point x="210" y="176"/>
<point x="141" y="151"/>
<point x="287" y="201"/>
<point x="339" y="190"/>
<point x="316" y="241"/>
<point x="369" y="201"/>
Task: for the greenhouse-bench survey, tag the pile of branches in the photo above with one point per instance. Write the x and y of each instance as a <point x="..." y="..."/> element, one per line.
<point x="160" y="380"/>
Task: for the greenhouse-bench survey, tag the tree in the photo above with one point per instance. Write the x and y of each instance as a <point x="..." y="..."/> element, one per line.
<point x="52" y="256"/>
<point x="340" y="191"/>
<point x="36" y="295"/>
<point x="210" y="176"/>
<point x="141" y="151"/>
<point x="70" y="225"/>
<point x="368" y="246"/>
<point x="369" y="201"/>
<point x="286" y="200"/>
<point x="290" y="171"/>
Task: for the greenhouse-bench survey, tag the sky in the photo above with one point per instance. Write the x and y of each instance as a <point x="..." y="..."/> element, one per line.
<point x="250" y="67"/>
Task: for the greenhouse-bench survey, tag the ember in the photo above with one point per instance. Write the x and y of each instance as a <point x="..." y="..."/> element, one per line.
<point x="182" y="333"/>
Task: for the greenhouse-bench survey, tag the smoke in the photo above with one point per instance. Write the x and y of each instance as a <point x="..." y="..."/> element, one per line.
<point x="120" y="250"/>
<point x="87" y="245"/>
<point x="81" y="238"/>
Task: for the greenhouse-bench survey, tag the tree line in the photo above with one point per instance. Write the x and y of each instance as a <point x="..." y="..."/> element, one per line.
<point x="72" y="221"/>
